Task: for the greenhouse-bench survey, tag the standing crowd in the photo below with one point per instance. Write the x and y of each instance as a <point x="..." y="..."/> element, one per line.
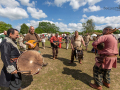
<point x="104" y="60"/>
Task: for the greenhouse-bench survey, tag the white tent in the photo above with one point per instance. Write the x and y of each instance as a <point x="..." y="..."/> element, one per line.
<point x="117" y="35"/>
<point x="1" y="38"/>
<point x="93" y="35"/>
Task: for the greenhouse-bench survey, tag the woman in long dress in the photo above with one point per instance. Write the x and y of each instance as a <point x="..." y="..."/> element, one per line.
<point x="60" y="41"/>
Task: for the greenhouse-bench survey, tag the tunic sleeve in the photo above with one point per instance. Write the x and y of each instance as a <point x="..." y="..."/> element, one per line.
<point x="101" y="39"/>
<point x="51" y="40"/>
<point x="0" y="36"/>
<point x="82" y="40"/>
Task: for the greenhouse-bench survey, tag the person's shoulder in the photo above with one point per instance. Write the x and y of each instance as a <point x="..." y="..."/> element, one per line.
<point x="5" y="42"/>
<point x="104" y="37"/>
<point x="112" y="35"/>
<point x="52" y="36"/>
<point x="28" y="34"/>
<point x="108" y="35"/>
<point x="2" y="35"/>
<point x="36" y="33"/>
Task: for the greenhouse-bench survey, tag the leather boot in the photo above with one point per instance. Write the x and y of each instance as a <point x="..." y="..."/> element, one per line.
<point x="95" y="86"/>
<point x="56" y="57"/>
<point x="45" y="64"/>
<point x="80" y="62"/>
<point x="106" y="84"/>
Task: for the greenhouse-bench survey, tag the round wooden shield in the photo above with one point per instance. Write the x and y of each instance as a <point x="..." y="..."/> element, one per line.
<point x="30" y="62"/>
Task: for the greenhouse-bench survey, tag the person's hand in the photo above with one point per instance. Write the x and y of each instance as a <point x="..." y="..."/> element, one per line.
<point x="95" y="47"/>
<point x="31" y="45"/>
<point x="14" y="72"/>
<point x="73" y="49"/>
<point x="54" y="43"/>
<point x="40" y="40"/>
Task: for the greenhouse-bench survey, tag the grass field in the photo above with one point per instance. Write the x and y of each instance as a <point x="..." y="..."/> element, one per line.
<point x="59" y="75"/>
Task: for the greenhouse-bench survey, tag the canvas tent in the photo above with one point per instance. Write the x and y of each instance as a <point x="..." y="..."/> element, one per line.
<point x="1" y="38"/>
<point x="93" y="35"/>
<point x="117" y="35"/>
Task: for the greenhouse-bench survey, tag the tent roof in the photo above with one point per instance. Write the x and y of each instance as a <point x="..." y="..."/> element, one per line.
<point x="93" y="35"/>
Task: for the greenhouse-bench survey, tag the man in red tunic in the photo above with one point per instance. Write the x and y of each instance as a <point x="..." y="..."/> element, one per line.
<point x="101" y="70"/>
<point x="55" y="47"/>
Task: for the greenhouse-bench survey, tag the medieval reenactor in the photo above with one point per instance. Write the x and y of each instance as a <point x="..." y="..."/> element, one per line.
<point x="55" y="43"/>
<point x="76" y="45"/>
<point x="32" y="40"/>
<point x="9" y="53"/>
<point x="106" y="58"/>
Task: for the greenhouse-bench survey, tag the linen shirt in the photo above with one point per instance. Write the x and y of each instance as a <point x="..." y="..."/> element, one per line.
<point x="2" y="36"/>
<point x="77" y="42"/>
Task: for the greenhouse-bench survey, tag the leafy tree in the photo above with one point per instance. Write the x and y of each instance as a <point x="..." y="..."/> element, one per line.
<point x="64" y="32"/>
<point x="117" y="32"/>
<point x="89" y="26"/>
<point x="4" y="26"/>
<point x="100" y="31"/>
<point x="47" y="27"/>
<point x="82" y="33"/>
<point x="38" y="30"/>
<point x="24" y="28"/>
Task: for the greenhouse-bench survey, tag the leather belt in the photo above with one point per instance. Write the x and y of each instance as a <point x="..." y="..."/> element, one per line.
<point x="13" y="59"/>
<point x="108" y="55"/>
<point x="112" y="56"/>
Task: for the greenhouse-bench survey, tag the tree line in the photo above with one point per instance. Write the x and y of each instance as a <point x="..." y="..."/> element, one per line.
<point x="47" y="27"/>
<point x="4" y="26"/>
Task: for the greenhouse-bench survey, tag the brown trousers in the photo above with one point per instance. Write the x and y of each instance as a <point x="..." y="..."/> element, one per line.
<point x="55" y="51"/>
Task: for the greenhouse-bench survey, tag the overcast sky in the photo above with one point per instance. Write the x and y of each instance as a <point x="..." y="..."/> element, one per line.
<point x="68" y="15"/>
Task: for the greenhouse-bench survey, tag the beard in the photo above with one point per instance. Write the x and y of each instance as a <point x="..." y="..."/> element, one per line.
<point x="103" y="33"/>
<point x="14" y="39"/>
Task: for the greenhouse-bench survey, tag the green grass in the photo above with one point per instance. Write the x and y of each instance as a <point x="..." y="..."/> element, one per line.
<point x="59" y="75"/>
